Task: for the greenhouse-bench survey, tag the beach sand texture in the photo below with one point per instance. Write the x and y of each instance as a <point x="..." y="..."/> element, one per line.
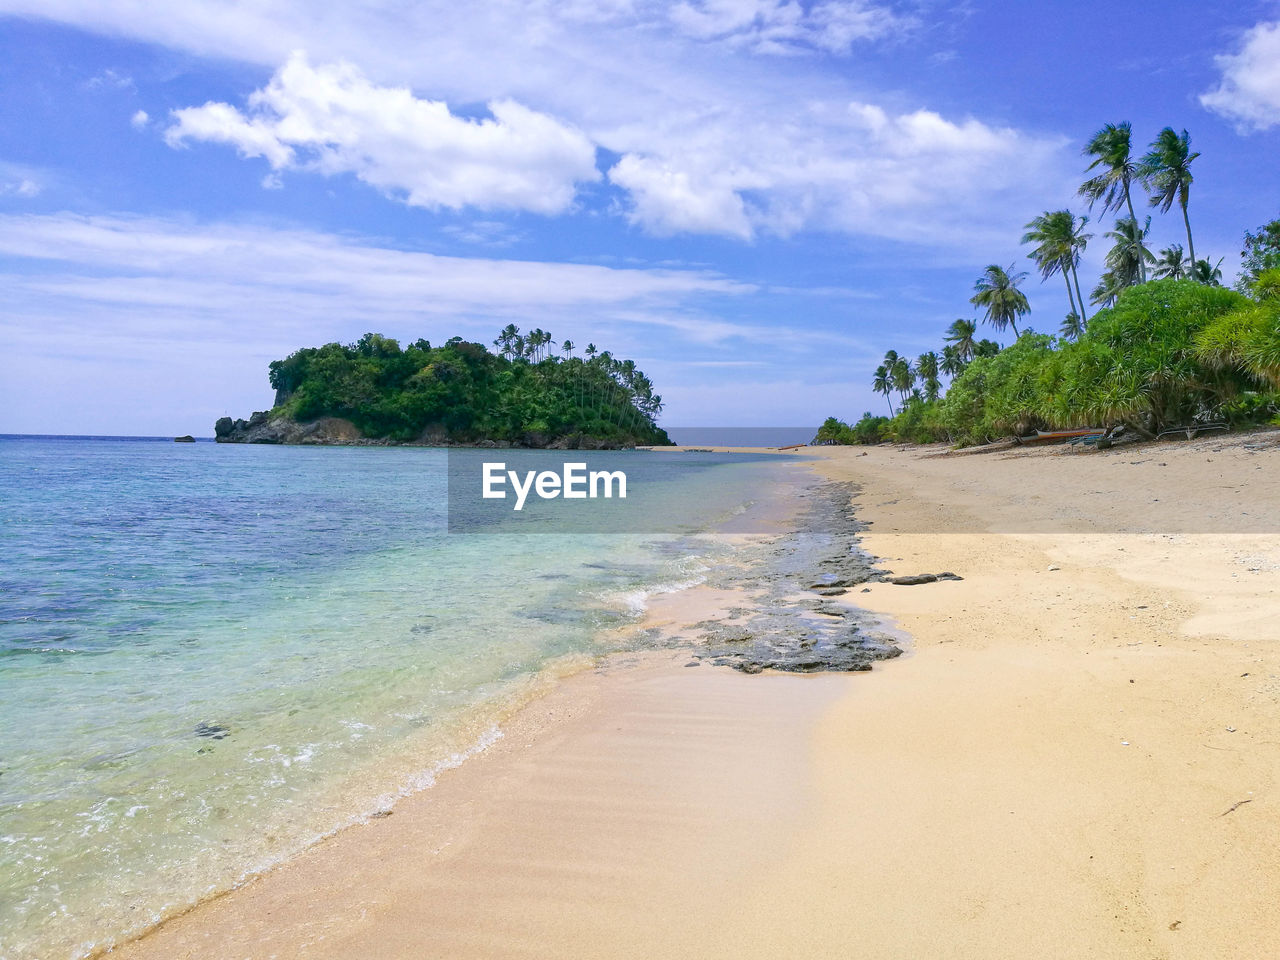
<point x="1078" y="758"/>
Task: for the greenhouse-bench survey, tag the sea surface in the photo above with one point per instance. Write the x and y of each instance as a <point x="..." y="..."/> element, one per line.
<point x="213" y="655"/>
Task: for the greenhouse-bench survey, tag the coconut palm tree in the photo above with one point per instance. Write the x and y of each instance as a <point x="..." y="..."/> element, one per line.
<point x="881" y="383"/>
<point x="996" y="291"/>
<point x="1105" y="293"/>
<point x="1071" y="328"/>
<point x="903" y="376"/>
<point x="1060" y="239"/>
<point x="1112" y="150"/>
<point x="1129" y="257"/>
<point x="568" y="347"/>
<point x="961" y="335"/>
<point x="1172" y="265"/>
<point x="927" y="369"/>
<point x="1210" y="274"/>
<point x="1166" y="172"/>
<point x="507" y="339"/>
<point x="952" y="364"/>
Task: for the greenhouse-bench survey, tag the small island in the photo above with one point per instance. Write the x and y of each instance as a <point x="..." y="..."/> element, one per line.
<point x="374" y="392"/>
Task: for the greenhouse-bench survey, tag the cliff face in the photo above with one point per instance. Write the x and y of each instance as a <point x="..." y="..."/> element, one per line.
<point x="262" y="427"/>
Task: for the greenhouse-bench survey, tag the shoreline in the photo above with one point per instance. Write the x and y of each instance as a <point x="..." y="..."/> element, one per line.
<point x="1068" y="723"/>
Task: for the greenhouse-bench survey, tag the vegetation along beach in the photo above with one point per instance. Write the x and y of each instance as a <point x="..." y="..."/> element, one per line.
<point x="742" y="479"/>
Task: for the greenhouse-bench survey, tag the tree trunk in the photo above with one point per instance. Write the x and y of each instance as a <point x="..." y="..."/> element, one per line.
<point x="1084" y="317"/>
<point x="1142" y="266"/>
<point x="1190" y="245"/>
<point x="1070" y="296"/>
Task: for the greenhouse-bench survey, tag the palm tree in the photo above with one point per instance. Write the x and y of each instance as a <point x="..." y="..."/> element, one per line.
<point x="1166" y="172"/>
<point x="1071" y="328"/>
<point x="997" y="292"/>
<point x="881" y="383"/>
<point x="927" y="368"/>
<point x="952" y="363"/>
<point x="1105" y="293"/>
<point x="1112" y="150"/>
<point x="567" y="347"/>
<point x="1210" y="274"/>
<point x="1060" y="239"/>
<point x="903" y="376"/>
<point x="507" y="339"/>
<point x="961" y="335"/>
<point x="1172" y="265"/>
<point x="1129" y="257"/>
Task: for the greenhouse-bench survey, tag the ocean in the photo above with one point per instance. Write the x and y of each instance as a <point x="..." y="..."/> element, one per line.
<point x="213" y="655"/>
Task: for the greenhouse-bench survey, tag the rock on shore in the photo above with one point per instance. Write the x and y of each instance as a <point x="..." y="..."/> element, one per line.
<point x="262" y="427"/>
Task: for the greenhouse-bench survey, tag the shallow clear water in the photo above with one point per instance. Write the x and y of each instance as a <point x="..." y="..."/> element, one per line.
<point x="212" y="655"/>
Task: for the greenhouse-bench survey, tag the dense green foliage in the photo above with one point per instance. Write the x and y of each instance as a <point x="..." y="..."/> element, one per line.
<point x="1170" y="352"/>
<point x="463" y="391"/>
<point x="870" y="429"/>
<point x="1261" y="253"/>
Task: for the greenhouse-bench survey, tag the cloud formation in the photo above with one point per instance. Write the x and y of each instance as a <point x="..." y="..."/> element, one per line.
<point x="17" y="180"/>
<point x="788" y="27"/>
<point x="1249" y="91"/>
<point x="332" y="120"/>
<point x="224" y="280"/>
<point x="846" y="167"/>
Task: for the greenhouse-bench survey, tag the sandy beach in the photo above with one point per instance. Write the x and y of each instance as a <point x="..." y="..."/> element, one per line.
<point x="1077" y="758"/>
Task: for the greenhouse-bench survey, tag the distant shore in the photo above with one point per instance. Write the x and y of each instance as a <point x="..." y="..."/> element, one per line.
<point x="1077" y="759"/>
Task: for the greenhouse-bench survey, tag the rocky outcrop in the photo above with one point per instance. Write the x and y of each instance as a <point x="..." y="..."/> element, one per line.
<point x="264" y="428"/>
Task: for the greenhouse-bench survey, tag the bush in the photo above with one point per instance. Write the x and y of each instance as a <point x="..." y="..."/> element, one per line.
<point x="868" y="430"/>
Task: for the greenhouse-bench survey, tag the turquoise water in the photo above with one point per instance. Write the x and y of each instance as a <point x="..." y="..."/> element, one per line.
<point x="211" y="655"/>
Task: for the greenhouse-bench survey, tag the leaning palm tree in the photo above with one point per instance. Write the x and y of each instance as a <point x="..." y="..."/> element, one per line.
<point x="1071" y="328"/>
<point x="1111" y="148"/>
<point x="961" y="335"/>
<point x="996" y="291"/>
<point x="1166" y="172"/>
<point x="1210" y="274"/>
<point x="1060" y="239"/>
<point x="927" y="369"/>
<point x="1172" y="264"/>
<point x="1128" y="258"/>
<point x="1105" y="293"/>
<point x="881" y="383"/>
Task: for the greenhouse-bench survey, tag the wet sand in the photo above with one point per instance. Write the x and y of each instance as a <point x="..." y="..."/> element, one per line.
<point x="1074" y="762"/>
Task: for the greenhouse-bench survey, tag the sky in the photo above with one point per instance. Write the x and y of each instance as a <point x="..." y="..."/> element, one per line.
<point x="752" y="199"/>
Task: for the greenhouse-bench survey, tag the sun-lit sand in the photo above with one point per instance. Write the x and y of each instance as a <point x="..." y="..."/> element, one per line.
<point x="1078" y="757"/>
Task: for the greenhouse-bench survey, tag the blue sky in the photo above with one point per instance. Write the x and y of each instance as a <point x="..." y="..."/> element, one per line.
<point x="752" y="199"/>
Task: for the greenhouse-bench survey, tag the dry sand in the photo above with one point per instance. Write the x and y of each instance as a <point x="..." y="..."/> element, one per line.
<point x="1078" y="759"/>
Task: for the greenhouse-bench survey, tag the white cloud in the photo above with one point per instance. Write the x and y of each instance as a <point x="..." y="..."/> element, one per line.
<point x="710" y="141"/>
<point x="769" y="26"/>
<point x="258" y="280"/>
<point x="139" y="120"/>
<point x="110" y="79"/>
<point x="1249" y="91"/>
<point x="857" y="169"/>
<point x="332" y="120"/>
<point x="17" y="180"/>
